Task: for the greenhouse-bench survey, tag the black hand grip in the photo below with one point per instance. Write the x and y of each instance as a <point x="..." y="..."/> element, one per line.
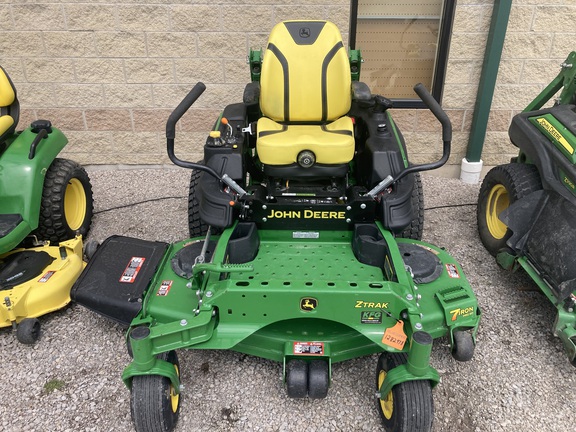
<point x="36" y="142"/>
<point x="436" y="109"/>
<point x="182" y="107"/>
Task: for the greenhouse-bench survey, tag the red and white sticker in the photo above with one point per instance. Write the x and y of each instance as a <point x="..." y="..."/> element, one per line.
<point x="164" y="288"/>
<point x="309" y="348"/>
<point x="46" y="276"/>
<point x="452" y="271"/>
<point x="132" y="269"/>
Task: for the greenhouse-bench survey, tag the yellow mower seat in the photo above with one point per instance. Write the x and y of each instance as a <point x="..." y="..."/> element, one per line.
<point x="9" y="107"/>
<point x="305" y="94"/>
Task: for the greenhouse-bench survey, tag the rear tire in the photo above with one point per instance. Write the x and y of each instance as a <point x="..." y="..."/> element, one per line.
<point x="502" y="186"/>
<point x="67" y="204"/>
<point x="196" y="225"/>
<point x="416" y="227"/>
<point x="154" y="405"/>
<point x="409" y="405"/>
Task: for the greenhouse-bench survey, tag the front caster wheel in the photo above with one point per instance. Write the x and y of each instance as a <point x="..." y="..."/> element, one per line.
<point x="409" y="405"/>
<point x="28" y="331"/>
<point x="318" y="379"/>
<point x="154" y="403"/>
<point x="297" y="378"/>
<point x="463" y="346"/>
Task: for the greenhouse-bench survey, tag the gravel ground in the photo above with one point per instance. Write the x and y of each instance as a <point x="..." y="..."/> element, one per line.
<point x="518" y="380"/>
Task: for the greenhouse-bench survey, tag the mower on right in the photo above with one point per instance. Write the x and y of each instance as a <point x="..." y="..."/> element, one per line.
<point x="527" y="208"/>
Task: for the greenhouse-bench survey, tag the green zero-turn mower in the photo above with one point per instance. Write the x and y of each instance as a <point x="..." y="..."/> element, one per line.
<point x="45" y="209"/>
<point x="305" y="218"/>
<point x="527" y="208"/>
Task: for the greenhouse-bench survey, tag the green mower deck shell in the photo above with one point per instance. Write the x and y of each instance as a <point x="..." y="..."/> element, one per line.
<point x="565" y="322"/>
<point x="19" y="173"/>
<point x="259" y="308"/>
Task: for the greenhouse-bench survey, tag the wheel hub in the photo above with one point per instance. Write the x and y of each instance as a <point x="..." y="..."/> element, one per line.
<point x="75" y="204"/>
<point x="498" y="201"/>
<point x="386" y="403"/>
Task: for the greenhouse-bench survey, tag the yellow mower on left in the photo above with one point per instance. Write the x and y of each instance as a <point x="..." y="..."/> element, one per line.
<point x="46" y="209"/>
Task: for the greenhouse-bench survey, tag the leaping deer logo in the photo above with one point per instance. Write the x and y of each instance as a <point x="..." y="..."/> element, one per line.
<point x="308" y="304"/>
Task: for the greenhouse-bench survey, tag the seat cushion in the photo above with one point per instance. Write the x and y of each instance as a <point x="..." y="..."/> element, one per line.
<point x="280" y="144"/>
<point x="305" y="73"/>
<point x="7" y="92"/>
<point x="6" y="123"/>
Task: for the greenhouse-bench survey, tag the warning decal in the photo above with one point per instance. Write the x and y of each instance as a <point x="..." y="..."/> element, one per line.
<point x="164" y="288"/>
<point x="309" y="348"/>
<point x="132" y="269"/>
<point x="46" y="276"/>
<point x="452" y="271"/>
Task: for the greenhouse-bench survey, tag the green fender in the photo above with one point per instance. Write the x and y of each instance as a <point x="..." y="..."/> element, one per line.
<point x="417" y="367"/>
<point x="161" y="367"/>
<point x="22" y="180"/>
<point x="402" y="373"/>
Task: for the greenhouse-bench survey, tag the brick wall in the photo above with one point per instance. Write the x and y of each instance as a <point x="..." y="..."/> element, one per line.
<point x="539" y="37"/>
<point x="109" y="73"/>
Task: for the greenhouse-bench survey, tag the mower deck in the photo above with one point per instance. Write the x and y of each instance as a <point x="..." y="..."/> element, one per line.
<point x="41" y="287"/>
<point x="294" y="292"/>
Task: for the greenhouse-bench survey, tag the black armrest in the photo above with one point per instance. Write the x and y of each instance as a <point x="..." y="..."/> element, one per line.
<point x="361" y="92"/>
<point x="251" y="94"/>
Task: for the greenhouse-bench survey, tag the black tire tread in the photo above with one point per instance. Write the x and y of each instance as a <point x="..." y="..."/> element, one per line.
<point x="415" y="229"/>
<point x="318" y="379"/>
<point x="52" y="223"/>
<point x="147" y="400"/>
<point x="28" y="331"/>
<point x="196" y="226"/>
<point x="519" y="180"/>
<point x="297" y="378"/>
<point x="413" y="402"/>
<point x="463" y="349"/>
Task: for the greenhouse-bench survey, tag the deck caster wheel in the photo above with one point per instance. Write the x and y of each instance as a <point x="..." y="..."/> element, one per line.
<point x="28" y="331"/>
<point x="318" y="379"/>
<point x="90" y="248"/>
<point x="154" y="404"/>
<point x="463" y="346"/>
<point x="409" y="405"/>
<point x="297" y="378"/>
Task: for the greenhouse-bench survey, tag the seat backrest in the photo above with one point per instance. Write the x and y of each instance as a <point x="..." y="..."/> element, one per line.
<point x="305" y="73"/>
<point x="9" y="107"/>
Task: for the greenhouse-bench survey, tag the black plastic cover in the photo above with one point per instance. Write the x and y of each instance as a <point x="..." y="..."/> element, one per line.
<point x="116" y="278"/>
<point x="541" y="151"/>
<point x="8" y="222"/>
<point x="425" y="266"/>
<point x="544" y="229"/>
<point x="184" y="260"/>
<point x="368" y="245"/>
<point x="395" y="209"/>
<point x="21" y="267"/>
<point x="243" y="244"/>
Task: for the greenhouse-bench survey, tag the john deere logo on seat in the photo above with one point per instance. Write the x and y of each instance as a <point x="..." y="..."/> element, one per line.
<point x="308" y="304"/>
<point x="304" y="32"/>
